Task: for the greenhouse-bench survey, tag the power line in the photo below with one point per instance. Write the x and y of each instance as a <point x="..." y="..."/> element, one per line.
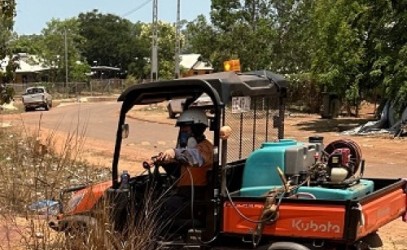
<point x="137" y="8"/>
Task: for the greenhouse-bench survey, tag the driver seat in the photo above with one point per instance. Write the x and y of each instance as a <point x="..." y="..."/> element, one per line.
<point x="199" y="219"/>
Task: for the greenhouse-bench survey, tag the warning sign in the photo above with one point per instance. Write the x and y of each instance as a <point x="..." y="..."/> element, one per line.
<point x="240" y="104"/>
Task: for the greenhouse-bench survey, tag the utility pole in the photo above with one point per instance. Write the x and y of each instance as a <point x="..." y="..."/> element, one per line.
<point x="177" y="41"/>
<point x="253" y="7"/>
<point x="66" y="58"/>
<point x="154" y="52"/>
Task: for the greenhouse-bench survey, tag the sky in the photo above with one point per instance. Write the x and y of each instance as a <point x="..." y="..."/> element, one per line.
<point x="33" y="15"/>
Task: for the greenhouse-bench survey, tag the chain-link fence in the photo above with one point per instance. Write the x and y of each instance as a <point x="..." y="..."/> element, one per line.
<point x="61" y="90"/>
<point x="252" y="127"/>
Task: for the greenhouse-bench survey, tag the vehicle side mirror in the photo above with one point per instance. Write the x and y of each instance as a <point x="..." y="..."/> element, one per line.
<point x="125" y="130"/>
<point x="225" y="132"/>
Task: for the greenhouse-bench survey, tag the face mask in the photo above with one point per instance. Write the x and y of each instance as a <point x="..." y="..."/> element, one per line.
<point x="183" y="139"/>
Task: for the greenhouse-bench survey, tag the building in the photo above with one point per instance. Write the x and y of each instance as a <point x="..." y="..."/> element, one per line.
<point x="104" y="72"/>
<point x="194" y="64"/>
<point x="29" y="68"/>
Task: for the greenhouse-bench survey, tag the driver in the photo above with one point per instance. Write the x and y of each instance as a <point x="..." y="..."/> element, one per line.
<point x="193" y="156"/>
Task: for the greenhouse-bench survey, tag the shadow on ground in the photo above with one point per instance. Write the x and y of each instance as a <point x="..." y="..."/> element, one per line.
<point x="320" y="125"/>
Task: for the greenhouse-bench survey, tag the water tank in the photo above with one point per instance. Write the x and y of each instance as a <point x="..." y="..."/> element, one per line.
<point x="260" y="171"/>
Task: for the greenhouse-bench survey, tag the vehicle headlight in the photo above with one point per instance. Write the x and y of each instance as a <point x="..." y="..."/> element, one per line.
<point x="74" y="201"/>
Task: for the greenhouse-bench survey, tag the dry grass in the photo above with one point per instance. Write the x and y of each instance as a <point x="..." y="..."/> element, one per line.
<point x="36" y="167"/>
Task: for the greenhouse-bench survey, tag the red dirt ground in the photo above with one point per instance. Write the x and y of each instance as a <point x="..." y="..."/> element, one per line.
<point x="382" y="152"/>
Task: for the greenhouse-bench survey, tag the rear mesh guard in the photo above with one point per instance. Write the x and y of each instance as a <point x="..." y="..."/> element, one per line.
<point x="252" y="128"/>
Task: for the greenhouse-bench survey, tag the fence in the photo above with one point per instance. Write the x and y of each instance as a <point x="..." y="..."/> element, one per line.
<point x="74" y="89"/>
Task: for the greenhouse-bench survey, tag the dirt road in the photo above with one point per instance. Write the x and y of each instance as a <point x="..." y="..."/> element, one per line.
<point x="385" y="157"/>
<point x="153" y="131"/>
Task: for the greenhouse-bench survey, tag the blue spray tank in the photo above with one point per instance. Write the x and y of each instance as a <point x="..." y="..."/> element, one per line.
<point x="260" y="171"/>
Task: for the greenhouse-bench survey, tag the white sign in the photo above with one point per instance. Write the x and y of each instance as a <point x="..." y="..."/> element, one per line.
<point x="240" y="104"/>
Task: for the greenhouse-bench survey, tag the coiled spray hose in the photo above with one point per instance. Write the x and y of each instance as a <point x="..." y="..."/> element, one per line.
<point x="355" y="151"/>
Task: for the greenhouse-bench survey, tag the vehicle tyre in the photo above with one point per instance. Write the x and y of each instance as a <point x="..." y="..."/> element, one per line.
<point x="47" y="107"/>
<point x="76" y="235"/>
<point x="81" y="235"/>
<point x="171" y="113"/>
<point x="27" y="109"/>
<point x="287" y="246"/>
<point x="370" y="241"/>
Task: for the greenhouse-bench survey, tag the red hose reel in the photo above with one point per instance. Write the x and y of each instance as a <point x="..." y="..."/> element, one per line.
<point x="344" y="153"/>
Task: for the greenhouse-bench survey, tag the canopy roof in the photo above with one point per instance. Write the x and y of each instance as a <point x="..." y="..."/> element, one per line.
<point x="219" y="86"/>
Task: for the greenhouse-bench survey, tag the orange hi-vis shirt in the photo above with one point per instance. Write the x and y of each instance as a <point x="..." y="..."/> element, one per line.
<point x="199" y="174"/>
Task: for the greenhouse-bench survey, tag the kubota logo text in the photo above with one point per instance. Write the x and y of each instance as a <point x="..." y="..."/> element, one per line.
<point x="326" y="227"/>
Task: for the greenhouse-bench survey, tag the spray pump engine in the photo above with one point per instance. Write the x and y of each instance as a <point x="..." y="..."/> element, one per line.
<point x="338" y="164"/>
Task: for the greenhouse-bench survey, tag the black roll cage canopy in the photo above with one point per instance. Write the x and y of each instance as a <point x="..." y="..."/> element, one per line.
<point x="220" y="87"/>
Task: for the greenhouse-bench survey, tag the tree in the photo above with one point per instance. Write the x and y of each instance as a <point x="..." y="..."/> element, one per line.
<point x="227" y="22"/>
<point x="397" y="86"/>
<point x="200" y="37"/>
<point x="245" y="31"/>
<point x="31" y="44"/>
<point x="225" y="13"/>
<point x="138" y="67"/>
<point x="292" y="23"/>
<point x="54" y="37"/>
<point x="7" y="13"/>
<point x="338" y="48"/>
<point x="166" y="48"/>
<point x="359" y="46"/>
<point x="109" y="40"/>
<point x="385" y="23"/>
<point x="6" y="94"/>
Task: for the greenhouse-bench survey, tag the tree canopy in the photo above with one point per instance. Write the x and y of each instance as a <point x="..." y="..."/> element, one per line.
<point x="7" y="13"/>
<point x="109" y="39"/>
<point x="356" y="48"/>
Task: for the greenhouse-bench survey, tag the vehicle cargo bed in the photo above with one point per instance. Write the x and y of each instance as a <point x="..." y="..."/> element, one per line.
<point x="345" y="221"/>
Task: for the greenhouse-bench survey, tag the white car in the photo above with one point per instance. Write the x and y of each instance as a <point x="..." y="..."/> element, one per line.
<point x="36" y="97"/>
<point x="176" y="106"/>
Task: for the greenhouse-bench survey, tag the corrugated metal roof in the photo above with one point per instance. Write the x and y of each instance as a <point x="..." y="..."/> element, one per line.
<point x="27" y="64"/>
<point x="188" y="60"/>
<point x="194" y="61"/>
<point x="203" y="66"/>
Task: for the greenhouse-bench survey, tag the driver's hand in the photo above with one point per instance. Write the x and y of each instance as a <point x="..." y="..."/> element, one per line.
<point x="167" y="155"/>
<point x="148" y="164"/>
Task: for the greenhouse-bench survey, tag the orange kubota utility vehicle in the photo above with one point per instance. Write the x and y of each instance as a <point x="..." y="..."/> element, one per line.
<point x="264" y="191"/>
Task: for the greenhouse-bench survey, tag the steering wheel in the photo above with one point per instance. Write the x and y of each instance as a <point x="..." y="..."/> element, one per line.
<point x="147" y="166"/>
